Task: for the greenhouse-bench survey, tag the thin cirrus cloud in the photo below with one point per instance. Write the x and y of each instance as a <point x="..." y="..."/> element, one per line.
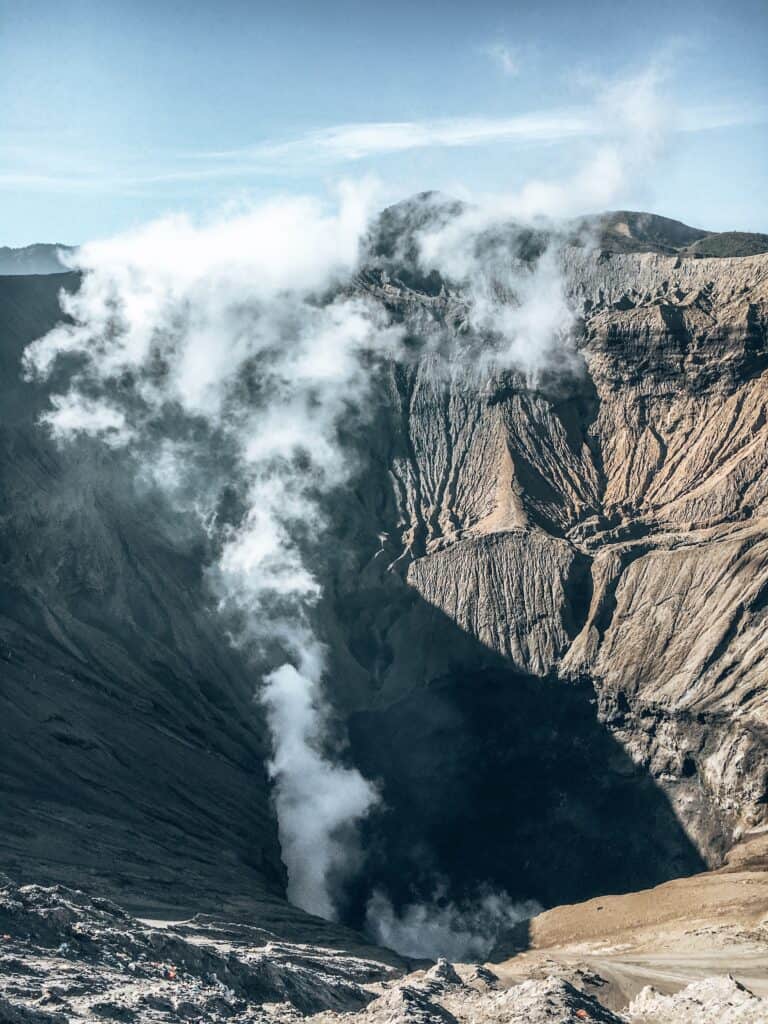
<point x="505" y="57"/>
<point x="338" y="144"/>
<point x="333" y="146"/>
<point x="353" y="142"/>
<point x="357" y="141"/>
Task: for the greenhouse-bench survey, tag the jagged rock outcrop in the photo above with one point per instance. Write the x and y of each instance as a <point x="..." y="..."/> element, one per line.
<point x="612" y="527"/>
<point x="715" y="1000"/>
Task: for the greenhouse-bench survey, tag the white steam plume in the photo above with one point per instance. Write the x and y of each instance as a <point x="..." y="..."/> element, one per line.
<point x="179" y="327"/>
<point x="459" y="932"/>
<point x="522" y="304"/>
<point x="317" y="801"/>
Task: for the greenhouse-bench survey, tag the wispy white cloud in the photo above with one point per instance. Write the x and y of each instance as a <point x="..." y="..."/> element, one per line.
<point x="349" y="143"/>
<point x="505" y="57"/>
<point x="352" y="142"/>
<point x="356" y="141"/>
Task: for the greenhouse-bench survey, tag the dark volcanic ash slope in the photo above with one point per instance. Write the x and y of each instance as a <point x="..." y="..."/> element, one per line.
<point x="554" y="663"/>
<point x="130" y="749"/>
<point x="132" y="753"/>
<point x="33" y="259"/>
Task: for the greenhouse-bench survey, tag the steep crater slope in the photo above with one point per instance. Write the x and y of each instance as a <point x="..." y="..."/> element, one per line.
<point x="545" y="606"/>
<point x="130" y="747"/>
<point x="132" y="753"/>
<point x="556" y="657"/>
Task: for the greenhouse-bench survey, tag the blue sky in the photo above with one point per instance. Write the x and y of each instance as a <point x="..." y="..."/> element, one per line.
<point x="117" y="111"/>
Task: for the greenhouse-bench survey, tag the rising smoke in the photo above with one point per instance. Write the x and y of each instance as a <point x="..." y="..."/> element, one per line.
<point x="218" y="331"/>
<point x="240" y="333"/>
<point x="318" y="802"/>
<point x="458" y="931"/>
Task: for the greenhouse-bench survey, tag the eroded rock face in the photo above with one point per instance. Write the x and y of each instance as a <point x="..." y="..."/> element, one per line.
<point x="606" y="530"/>
<point x="546" y="607"/>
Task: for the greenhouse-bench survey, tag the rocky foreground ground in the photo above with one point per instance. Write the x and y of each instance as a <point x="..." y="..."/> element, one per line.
<point x="689" y="952"/>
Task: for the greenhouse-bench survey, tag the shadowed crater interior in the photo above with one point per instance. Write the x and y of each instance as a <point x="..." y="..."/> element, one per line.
<point x="508" y="781"/>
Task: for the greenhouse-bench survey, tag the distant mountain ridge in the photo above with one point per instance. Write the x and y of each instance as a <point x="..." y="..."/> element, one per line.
<point x="393" y="233"/>
<point x="40" y="258"/>
<point x="630" y="231"/>
<point x="616" y="231"/>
